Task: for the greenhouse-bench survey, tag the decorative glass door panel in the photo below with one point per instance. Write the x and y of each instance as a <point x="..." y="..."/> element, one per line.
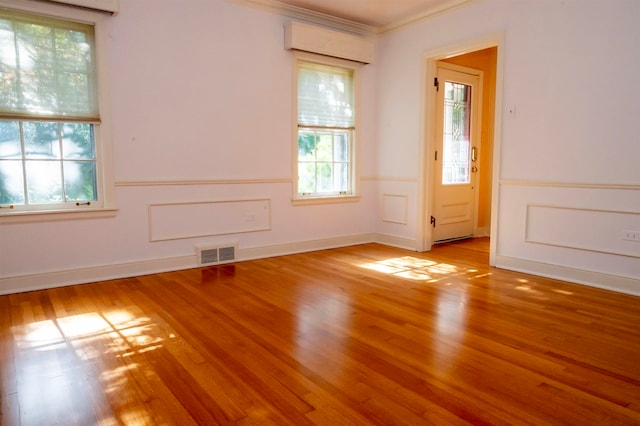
<point x="456" y="155"/>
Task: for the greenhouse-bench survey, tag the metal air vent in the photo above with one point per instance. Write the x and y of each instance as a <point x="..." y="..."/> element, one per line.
<point x="212" y="255"/>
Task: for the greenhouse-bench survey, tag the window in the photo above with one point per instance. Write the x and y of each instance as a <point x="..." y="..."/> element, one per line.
<point x="326" y="125"/>
<point x="50" y="156"/>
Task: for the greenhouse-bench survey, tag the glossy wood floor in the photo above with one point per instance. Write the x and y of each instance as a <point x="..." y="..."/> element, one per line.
<point x="359" y="335"/>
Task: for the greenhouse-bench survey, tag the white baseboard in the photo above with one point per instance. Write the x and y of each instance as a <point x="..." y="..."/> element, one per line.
<point x="400" y="242"/>
<point x="23" y="283"/>
<point x="303" y="246"/>
<point x="578" y="276"/>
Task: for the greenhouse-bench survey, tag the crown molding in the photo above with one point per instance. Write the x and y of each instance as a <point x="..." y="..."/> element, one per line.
<point x="311" y="16"/>
<point x="347" y="25"/>
<point x="428" y="13"/>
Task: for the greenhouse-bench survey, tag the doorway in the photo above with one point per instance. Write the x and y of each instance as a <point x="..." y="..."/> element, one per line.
<point x="482" y="55"/>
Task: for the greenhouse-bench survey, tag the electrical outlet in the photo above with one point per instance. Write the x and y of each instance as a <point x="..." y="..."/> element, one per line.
<point x="631" y="236"/>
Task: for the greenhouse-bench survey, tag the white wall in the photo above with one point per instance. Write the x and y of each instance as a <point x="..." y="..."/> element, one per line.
<point x="200" y="91"/>
<point x="570" y="68"/>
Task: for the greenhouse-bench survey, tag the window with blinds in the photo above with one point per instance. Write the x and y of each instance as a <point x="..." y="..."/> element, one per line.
<point x="48" y="113"/>
<point x="326" y="128"/>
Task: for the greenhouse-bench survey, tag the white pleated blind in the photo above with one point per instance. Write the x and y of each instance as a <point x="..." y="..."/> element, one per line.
<point x="47" y="69"/>
<point x="325" y="96"/>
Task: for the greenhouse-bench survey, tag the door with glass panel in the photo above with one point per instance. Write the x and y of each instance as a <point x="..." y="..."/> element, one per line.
<point x="457" y="148"/>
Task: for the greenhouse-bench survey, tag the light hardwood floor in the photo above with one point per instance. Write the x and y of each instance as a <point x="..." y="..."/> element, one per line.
<point x="359" y="335"/>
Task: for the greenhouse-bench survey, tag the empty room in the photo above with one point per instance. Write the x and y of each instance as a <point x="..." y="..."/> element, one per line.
<point x="319" y="212"/>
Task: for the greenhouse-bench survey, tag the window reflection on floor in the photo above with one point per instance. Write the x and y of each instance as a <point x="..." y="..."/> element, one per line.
<point x="68" y="365"/>
<point x="415" y="268"/>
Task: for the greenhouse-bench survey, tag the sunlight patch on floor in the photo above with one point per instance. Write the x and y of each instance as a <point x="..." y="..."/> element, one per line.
<point x="64" y="354"/>
<point x="412" y="268"/>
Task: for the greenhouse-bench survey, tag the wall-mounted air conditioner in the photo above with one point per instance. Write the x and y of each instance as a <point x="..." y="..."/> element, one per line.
<point x="328" y="42"/>
<point x="109" y="6"/>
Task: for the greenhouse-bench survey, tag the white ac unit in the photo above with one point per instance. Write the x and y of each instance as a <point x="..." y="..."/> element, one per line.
<point x="110" y="6"/>
<point x="328" y="42"/>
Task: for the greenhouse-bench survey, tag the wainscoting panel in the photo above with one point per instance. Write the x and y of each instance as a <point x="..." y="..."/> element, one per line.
<point x="394" y="208"/>
<point x="581" y="228"/>
<point x="198" y="219"/>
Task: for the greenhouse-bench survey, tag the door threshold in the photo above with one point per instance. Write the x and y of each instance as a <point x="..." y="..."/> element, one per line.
<point x="450" y="240"/>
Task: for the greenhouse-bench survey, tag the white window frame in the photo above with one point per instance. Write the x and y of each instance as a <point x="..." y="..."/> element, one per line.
<point x="353" y="195"/>
<point x="105" y="206"/>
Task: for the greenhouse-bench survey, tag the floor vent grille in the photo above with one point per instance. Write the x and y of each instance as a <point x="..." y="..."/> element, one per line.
<point x="214" y="255"/>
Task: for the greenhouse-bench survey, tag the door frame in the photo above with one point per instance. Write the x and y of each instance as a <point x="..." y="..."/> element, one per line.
<point x="426" y="179"/>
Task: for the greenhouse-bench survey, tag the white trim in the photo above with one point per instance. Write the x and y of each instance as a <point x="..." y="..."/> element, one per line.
<point x="53" y="279"/>
<point x="55" y="215"/>
<point x="396" y="179"/>
<point x="309" y="201"/>
<point x="304" y="246"/>
<point x="22" y="283"/>
<point x="310" y="16"/>
<point x="396" y="241"/>
<point x="447" y="6"/>
<point x="580" y="185"/>
<point x="578" y="276"/>
<point x="134" y="183"/>
<point x="347" y="24"/>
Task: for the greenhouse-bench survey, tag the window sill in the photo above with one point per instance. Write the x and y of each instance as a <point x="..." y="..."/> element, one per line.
<point x="55" y="215"/>
<point x="325" y="200"/>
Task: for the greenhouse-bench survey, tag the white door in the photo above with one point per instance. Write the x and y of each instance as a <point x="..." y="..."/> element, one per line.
<point x="457" y="139"/>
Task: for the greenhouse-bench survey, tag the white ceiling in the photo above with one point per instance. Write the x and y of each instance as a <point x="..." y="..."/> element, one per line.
<point x="381" y="15"/>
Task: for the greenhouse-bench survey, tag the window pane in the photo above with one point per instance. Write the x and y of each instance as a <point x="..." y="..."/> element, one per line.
<point x="44" y="182"/>
<point x="341" y="146"/>
<point x="8" y="82"/>
<point x="77" y="141"/>
<point x="306" y="145"/>
<point x="331" y="171"/>
<point x="325" y="95"/>
<point x="10" y="146"/>
<point x="80" y="180"/>
<point x="47" y="67"/>
<point x="306" y="177"/>
<point x="325" y="177"/>
<point x="342" y="177"/>
<point x="41" y="139"/>
<point x="11" y="182"/>
<point x="325" y="147"/>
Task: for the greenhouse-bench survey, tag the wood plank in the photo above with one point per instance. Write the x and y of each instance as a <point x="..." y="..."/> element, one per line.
<point x="368" y="334"/>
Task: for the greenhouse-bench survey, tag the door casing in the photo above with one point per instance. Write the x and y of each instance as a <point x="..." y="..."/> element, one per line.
<point x="424" y="235"/>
